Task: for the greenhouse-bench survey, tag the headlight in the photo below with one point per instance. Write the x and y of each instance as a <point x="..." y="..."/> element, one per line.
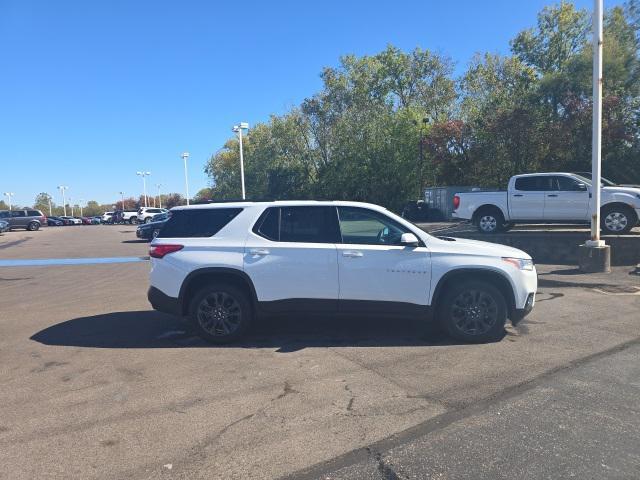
<point x="519" y="263"/>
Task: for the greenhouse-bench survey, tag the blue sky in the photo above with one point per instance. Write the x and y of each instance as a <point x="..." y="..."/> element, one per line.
<point x="92" y="91"/>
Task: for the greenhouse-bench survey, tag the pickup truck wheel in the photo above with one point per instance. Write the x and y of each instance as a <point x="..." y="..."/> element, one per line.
<point x="220" y="313"/>
<point x="490" y="221"/>
<point x="617" y="220"/>
<point x="474" y="312"/>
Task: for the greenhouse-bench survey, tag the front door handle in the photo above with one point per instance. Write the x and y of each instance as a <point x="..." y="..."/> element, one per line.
<point x="552" y="195"/>
<point x="351" y="253"/>
<point x="259" y="251"/>
<point x="518" y="195"/>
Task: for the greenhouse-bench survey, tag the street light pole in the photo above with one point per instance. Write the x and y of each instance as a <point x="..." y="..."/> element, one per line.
<point x="238" y="129"/>
<point x="122" y="198"/>
<point x="49" y="199"/>
<point x="71" y="205"/>
<point x="9" y="195"/>
<point x="81" y="202"/>
<point x="62" y="188"/>
<point x="144" y="186"/>
<point x="159" y="196"/>
<point x="595" y="256"/>
<point x="596" y="141"/>
<point x="184" y="156"/>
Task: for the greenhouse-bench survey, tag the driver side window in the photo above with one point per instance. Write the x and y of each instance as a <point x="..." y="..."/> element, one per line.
<point x="360" y="226"/>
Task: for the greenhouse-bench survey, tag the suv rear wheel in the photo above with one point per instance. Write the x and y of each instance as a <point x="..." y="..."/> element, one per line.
<point x="473" y="311"/>
<point x="220" y="313"/>
<point x="33" y="226"/>
<point x="133" y="220"/>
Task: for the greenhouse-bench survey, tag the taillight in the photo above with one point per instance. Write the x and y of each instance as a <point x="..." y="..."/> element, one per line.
<point x="456" y="202"/>
<point x="159" y="251"/>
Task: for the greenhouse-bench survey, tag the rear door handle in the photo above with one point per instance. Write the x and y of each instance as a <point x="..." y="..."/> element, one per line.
<point x="259" y="251"/>
<point x="351" y="253"/>
<point x="552" y="195"/>
<point x="518" y="195"/>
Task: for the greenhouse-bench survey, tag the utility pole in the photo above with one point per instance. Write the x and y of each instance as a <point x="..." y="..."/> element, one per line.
<point x="9" y="195"/>
<point x="184" y="156"/>
<point x="159" y="196"/>
<point x="238" y="129"/>
<point x="595" y="256"/>
<point x="49" y="199"/>
<point x="144" y="186"/>
<point x="122" y="197"/>
<point x="81" y="202"/>
<point x="62" y="189"/>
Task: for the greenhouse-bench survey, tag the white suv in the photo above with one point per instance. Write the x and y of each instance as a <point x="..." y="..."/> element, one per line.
<point x="145" y="214"/>
<point x="224" y="265"/>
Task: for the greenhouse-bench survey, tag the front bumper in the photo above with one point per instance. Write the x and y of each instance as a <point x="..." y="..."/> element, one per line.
<point x="519" y="313"/>
<point x="163" y="303"/>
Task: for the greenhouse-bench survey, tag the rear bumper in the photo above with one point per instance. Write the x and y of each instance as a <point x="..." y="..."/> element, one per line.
<point x="163" y="303"/>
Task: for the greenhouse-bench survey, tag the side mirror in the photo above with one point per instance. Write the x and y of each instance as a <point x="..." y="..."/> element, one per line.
<point x="409" y="240"/>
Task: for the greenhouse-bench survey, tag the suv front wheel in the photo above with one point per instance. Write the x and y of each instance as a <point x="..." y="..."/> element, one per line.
<point x="33" y="226"/>
<point x="473" y="311"/>
<point x="220" y="313"/>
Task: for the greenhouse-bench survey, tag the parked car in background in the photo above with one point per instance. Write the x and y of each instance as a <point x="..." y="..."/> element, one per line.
<point x="4" y="226"/>
<point x="145" y="214"/>
<point x="150" y="230"/>
<point x="548" y="198"/>
<point x="106" y="217"/>
<point x="222" y="265"/>
<point x="96" y="220"/>
<point x="85" y="220"/>
<point x="71" y="220"/>
<point x="55" y="221"/>
<point x="24" y="218"/>
<point x="130" y="216"/>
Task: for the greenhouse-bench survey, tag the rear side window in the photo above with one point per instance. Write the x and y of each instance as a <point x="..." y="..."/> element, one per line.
<point x="18" y="213"/>
<point x="299" y="224"/>
<point x="534" y="184"/>
<point x="198" y="222"/>
<point x="34" y="213"/>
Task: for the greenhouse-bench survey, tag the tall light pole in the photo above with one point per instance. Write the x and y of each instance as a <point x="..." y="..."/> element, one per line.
<point x="144" y="186"/>
<point x="71" y="205"/>
<point x="9" y="195"/>
<point x="159" y="196"/>
<point x="62" y="189"/>
<point x="81" y="202"/>
<point x="49" y="199"/>
<point x="122" y="197"/>
<point x="595" y="256"/>
<point x="184" y="156"/>
<point x="238" y="129"/>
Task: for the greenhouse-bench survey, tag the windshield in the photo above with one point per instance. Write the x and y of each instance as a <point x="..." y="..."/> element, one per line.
<point x="605" y="182"/>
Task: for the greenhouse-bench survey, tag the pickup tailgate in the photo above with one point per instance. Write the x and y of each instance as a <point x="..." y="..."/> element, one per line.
<point x="467" y="203"/>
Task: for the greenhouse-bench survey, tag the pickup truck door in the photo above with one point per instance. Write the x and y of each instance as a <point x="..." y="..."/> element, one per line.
<point x="527" y="197"/>
<point x="569" y="200"/>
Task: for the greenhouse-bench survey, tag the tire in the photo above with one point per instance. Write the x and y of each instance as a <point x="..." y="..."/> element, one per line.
<point x="232" y="302"/>
<point x="489" y="221"/>
<point x="617" y="219"/>
<point x="147" y="220"/>
<point x="33" y="226"/>
<point x="133" y="220"/>
<point x="473" y="312"/>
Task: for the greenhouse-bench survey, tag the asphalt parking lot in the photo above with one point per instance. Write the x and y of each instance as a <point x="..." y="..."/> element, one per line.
<point x="94" y="384"/>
